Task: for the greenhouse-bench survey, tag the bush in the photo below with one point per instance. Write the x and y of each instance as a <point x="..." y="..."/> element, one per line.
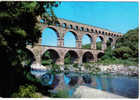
<point x="75" y="65"/>
<point x="87" y="66"/>
<point x="26" y="91"/>
<point x="55" y="68"/>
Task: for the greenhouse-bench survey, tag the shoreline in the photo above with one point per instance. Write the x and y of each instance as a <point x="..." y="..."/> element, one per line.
<point x="114" y="69"/>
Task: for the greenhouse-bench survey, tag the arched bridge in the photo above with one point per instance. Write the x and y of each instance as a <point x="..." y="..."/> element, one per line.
<point x="78" y="29"/>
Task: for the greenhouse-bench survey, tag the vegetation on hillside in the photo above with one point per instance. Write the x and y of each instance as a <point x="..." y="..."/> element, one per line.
<point x="125" y="51"/>
<point x="88" y="46"/>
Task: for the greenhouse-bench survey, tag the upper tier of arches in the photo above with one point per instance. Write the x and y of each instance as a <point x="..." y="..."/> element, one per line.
<point x="85" y="28"/>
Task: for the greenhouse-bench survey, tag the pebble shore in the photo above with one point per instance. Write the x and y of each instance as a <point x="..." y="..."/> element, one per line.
<point x="114" y="69"/>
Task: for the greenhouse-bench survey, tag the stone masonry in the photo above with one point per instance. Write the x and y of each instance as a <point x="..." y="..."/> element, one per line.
<point x="79" y="30"/>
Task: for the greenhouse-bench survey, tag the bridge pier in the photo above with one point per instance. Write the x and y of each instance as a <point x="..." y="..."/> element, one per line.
<point x="60" y="43"/>
<point x="78" y="44"/>
<point x="104" y="46"/>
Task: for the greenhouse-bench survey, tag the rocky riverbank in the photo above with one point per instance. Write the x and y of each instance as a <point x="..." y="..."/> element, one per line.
<point x="87" y="92"/>
<point x="92" y="69"/>
<point x="120" y="69"/>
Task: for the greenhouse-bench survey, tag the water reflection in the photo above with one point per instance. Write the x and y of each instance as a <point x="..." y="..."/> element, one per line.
<point x="121" y="85"/>
<point x="87" y="79"/>
<point x="99" y="83"/>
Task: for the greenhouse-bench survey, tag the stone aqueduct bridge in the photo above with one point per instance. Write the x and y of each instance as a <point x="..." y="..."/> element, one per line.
<point x="78" y="30"/>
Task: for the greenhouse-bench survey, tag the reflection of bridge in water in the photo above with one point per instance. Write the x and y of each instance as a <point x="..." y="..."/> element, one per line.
<point x="110" y="83"/>
<point x="79" y="30"/>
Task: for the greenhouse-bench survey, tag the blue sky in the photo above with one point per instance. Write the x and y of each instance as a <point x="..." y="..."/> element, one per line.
<point x="115" y="16"/>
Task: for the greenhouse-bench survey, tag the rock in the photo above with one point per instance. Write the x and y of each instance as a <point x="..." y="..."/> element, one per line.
<point x="132" y="67"/>
<point x="38" y="66"/>
<point x="61" y="68"/>
<point x="87" y="92"/>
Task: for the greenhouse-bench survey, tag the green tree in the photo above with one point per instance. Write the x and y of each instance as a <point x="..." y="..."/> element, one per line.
<point x="67" y="59"/>
<point x="125" y="51"/>
<point x="127" y="46"/>
<point x="17" y="28"/>
<point x="46" y="59"/>
<point x="99" y="45"/>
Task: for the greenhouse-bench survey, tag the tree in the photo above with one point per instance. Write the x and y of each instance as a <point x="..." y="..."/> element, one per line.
<point x="67" y="59"/>
<point x="17" y="28"/>
<point x="127" y="46"/>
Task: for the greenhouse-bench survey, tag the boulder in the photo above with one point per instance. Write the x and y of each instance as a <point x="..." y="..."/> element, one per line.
<point x="87" y="92"/>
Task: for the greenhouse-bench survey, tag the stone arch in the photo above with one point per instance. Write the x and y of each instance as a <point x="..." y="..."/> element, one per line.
<point x="52" y="55"/>
<point x="70" y="26"/>
<point x="87" y="57"/>
<point x="64" y="25"/>
<point x="57" y="24"/>
<point x="103" y="33"/>
<point x="76" y="28"/>
<point x="81" y="28"/>
<point x="100" y="42"/>
<point x="109" y="41"/>
<point x="99" y="55"/>
<point x="87" y="30"/>
<point x="92" y="30"/>
<point x="99" y="32"/>
<point x="71" y="57"/>
<point x="50" y="34"/>
<point x="74" y="33"/>
<point x="74" y="38"/>
<point x="89" y="36"/>
<point x="53" y="28"/>
<point x="96" y="31"/>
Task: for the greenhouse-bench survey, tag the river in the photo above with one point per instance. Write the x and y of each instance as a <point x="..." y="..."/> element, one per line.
<point x="121" y="85"/>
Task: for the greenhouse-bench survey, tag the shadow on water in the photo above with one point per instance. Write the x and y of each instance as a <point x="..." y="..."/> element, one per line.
<point x="120" y="85"/>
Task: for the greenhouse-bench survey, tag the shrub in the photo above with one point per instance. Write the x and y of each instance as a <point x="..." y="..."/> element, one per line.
<point x="26" y="91"/>
<point x="75" y="65"/>
<point x="55" y="68"/>
<point x="87" y="66"/>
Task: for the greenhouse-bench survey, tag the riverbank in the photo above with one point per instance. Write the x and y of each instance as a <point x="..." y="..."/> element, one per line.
<point x="116" y="69"/>
<point x="87" y="92"/>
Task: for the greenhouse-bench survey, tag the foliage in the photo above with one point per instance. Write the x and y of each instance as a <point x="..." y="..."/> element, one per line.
<point x="26" y="91"/>
<point x="126" y="51"/>
<point x="92" y="68"/>
<point x="108" y="54"/>
<point x="55" y="68"/>
<point x="87" y="65"/>
<point x="123" y="52"/>
<point x="127" y="46"/>
<point x="67" y="59"/>
<point x="99" y="45"/>
<point x="75" y="65"/>
<point x="18" y="28"/>
<point x="46" y="59"/>
<point x="86" y="46"/>
<point x="126" y="62"/>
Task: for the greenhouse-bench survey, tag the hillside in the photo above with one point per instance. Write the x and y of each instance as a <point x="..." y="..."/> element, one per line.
<point x="125" y="51"/>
